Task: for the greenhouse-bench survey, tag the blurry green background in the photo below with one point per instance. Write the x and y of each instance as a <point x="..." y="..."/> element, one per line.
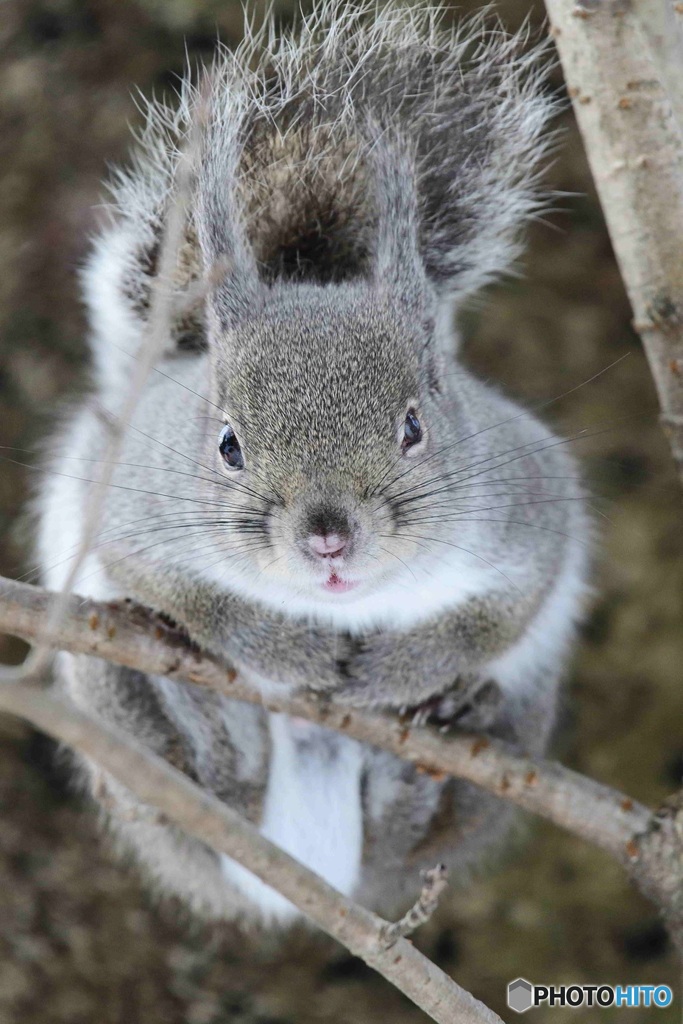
<point x="81" y="942"/>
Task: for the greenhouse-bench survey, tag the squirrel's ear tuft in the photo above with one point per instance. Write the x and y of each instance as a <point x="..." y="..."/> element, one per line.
<point x="230" y="265"/>
<point x="480" y="163"/>
<point x="214" y="259"/>
<point x="473" y="111"/>
<point x="368" y="143"/>
<point x="397" y="266"/>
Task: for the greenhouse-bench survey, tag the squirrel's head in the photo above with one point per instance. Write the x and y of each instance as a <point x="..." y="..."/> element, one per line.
<point x="329" y="388"/>
<point x="345" y="191"/>
<point x="331" y="407"/>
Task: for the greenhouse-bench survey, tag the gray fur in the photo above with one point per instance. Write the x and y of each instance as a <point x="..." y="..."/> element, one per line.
<point x="413" y="156"/>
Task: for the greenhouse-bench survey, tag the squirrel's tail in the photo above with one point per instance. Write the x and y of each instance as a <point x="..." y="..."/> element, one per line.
<point x="308" y="141"/>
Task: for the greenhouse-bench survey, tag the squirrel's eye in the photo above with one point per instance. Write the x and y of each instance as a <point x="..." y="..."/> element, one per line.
<point x="229" y="447"/>
<point x="412" y="431"/>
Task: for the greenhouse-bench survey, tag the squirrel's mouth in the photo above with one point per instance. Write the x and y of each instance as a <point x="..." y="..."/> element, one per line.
<point x="336" y="585"/>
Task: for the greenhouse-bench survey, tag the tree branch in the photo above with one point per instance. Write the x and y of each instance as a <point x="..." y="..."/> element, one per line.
<point x="198" y="812"/>
<point x="131" y="635"/>
<point x="635" y="151"/>
<point x="622" y="65"/>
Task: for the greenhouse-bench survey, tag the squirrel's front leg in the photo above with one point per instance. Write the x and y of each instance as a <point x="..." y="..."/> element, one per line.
<point x="265" y="643"/>
<point x="445" y="656"/>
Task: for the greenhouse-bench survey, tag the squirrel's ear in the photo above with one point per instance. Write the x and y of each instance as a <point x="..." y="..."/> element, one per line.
<point x="397" y="265"/>
<point x="235" y="288"/>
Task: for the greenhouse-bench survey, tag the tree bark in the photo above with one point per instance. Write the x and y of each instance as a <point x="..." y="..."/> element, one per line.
<point x="635" y="151"/>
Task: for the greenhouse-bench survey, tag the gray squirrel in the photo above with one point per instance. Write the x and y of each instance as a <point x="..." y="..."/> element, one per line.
<point x="314" y="485"/>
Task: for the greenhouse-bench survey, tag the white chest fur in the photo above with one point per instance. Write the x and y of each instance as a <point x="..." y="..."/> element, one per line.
<point x="412" y="595"/>
<point x="312" y="810"/>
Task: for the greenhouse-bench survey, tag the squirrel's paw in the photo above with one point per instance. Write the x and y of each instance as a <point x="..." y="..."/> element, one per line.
<point x="472" y="704"/>
<point x="324" y="663"/>
<point x="381" y="671"/>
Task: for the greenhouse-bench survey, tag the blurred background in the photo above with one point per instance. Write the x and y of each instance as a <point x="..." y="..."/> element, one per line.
<point x="81" y="941"/>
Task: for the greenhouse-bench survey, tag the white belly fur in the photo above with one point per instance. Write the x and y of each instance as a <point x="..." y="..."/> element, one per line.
<point x="312" y="809"/>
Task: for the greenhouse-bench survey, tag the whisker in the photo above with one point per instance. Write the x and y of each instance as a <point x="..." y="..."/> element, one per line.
<point x="162" y="373"/>
<point x="518" y="504"/>
<point x="150" y="547"/>
<point x="455" y="512"/>
<point x="120" y="539"/>
<point x="532" y="526"/>
<point x="120" y="487"/>
<point x="107" y="462"/>
<point x="510" y="419"/>
<point x="404" y="563"/>
<point x="553" y="443"/>
<point x="222" y="481"/>
<point x="440" y="540"/>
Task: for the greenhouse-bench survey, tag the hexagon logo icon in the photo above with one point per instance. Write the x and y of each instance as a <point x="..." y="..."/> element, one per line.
<point x="520" y="995"/>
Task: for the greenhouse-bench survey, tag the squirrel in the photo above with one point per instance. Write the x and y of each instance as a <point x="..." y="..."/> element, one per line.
<point x="313" y="484"/>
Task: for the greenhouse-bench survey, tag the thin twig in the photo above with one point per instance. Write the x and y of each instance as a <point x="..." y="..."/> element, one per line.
<point x="162" y="311"/>
<point x="435" y="881"/>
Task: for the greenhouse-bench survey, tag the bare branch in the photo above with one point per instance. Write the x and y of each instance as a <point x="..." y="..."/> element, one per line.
<point x="649" y="846"/>
<point x="130" y="635"/>
<point x="163" y="309"/>
<point x="622" y="65"/>
<point x="199" y="813"/>
<point x="635" y="150"/>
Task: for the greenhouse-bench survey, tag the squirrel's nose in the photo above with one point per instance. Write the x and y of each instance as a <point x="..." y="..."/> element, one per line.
<point x="327" y="545"/>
